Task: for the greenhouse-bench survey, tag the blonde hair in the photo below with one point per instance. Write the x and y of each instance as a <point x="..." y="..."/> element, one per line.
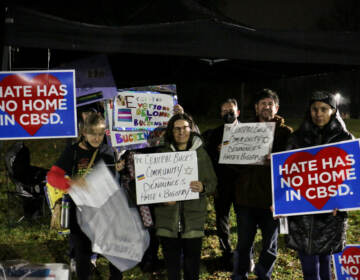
<point x="93" y="119"/>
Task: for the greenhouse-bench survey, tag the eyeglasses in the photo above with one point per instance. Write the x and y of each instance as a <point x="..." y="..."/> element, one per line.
<point x="179" y="129"/>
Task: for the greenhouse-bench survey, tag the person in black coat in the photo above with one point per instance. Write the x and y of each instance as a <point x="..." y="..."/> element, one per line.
<point x="317" y="236"/>
<point x="226" y="174"/>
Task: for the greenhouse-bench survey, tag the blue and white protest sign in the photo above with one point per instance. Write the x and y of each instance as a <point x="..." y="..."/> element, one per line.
<point x="316" y="179"/>
<point x="347" y="263"/>
<point x="37" y="104"/>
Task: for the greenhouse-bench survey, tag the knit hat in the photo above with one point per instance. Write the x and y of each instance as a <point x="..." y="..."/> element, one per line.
<point x="323" y="96"/>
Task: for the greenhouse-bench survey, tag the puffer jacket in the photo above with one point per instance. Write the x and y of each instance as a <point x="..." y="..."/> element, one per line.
<point x="187" y="218"/>
<point x="253" y="183"/>
<point x="319" y="234"/>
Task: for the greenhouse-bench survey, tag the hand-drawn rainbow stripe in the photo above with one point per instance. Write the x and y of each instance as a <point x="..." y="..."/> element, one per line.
<point x="141" y="177"/>
<point x="226" y="143"/>
<point x="124" y="115"/>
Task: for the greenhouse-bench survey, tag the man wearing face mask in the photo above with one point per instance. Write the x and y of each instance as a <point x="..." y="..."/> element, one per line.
<point x="224" y="197"/>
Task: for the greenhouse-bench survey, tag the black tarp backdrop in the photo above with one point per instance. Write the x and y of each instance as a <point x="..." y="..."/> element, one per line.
<point x="161" y="41"/>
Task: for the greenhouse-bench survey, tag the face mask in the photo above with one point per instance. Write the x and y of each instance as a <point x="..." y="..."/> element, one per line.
<point x="229" y="117"/>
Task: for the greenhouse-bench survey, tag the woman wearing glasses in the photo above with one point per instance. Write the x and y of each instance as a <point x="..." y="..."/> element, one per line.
<point x="180" y="224"/>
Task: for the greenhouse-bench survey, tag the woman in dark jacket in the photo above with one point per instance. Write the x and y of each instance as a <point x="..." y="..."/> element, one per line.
<point x="76" y="161"/>
<point x="180" y="224"/>
<point x="316" y="237"/>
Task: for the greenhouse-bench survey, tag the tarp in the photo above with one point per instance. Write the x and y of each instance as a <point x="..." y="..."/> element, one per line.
<point x="201" y="35"/>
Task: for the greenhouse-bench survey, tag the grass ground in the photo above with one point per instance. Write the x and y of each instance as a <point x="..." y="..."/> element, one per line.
<point x="35" y="242"/>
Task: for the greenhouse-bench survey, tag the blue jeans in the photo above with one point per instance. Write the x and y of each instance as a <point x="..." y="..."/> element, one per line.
<point x="248" y="220"/>
<point x="315" y="267"/>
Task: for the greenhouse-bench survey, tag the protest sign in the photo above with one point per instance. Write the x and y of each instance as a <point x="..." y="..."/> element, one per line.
<point x="316" y="179"/>
<point x="165" y="177"/>
<point x="347" y="263"/>
<point x="139" y="110"/>
<point x="247" y="143"/>
<point x="37" y="104"/>
<point x="94" y="79"/>
<point x="124" y="138"/>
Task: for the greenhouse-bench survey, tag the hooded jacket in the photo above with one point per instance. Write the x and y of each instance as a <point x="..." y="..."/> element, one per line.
<point x="187" y="218"/>
<point x="321" y="233"/>
<point x="253" y="184"/>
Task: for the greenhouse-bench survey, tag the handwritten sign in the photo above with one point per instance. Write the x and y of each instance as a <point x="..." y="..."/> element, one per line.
<point x="141" y="110"/>
<point x="131" y="139"/>
<point x="37" y="104"/>
<point x="165" y="177"/>
<point x="347" y="263"/>
<point x="316" y="179"/>
<point x="247" y="143"/>
<point x="124" y="138"/>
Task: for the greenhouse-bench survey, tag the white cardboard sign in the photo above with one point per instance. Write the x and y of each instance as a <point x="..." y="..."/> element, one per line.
<point x="247" y="143"/>
<point x="162" y="177"/>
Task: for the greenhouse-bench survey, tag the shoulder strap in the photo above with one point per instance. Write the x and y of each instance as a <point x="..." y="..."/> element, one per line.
<point x="91" y="162"/>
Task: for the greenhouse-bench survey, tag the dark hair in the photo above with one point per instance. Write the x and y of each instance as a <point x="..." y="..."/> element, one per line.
<point x="266" y="93"/>
<point x="169" y="134"/>
<point x="91" y="120"/>
<point x="229" y="100"/>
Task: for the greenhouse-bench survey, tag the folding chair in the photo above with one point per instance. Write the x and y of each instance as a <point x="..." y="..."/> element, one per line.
<point x="29" y="181"/>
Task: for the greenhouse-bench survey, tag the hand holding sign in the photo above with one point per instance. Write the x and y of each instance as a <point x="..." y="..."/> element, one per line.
<point x="196" y="186"/>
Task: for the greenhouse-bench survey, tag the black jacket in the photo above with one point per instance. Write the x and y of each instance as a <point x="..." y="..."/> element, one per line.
<point x="224" y="172"/>
<point x="253" y="184"/>
<point x="320" y="234"/>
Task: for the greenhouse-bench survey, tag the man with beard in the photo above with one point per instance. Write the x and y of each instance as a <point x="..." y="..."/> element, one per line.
<point x="224" y="197"/>
<point x="253" y="198"/>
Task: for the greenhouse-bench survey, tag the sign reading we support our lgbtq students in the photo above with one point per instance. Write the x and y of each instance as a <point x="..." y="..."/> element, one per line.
<point x="316" y="179"/>
<point x="347" y="263"/>
<point x="37" y="104"/>
<point x="162" y="177"/>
